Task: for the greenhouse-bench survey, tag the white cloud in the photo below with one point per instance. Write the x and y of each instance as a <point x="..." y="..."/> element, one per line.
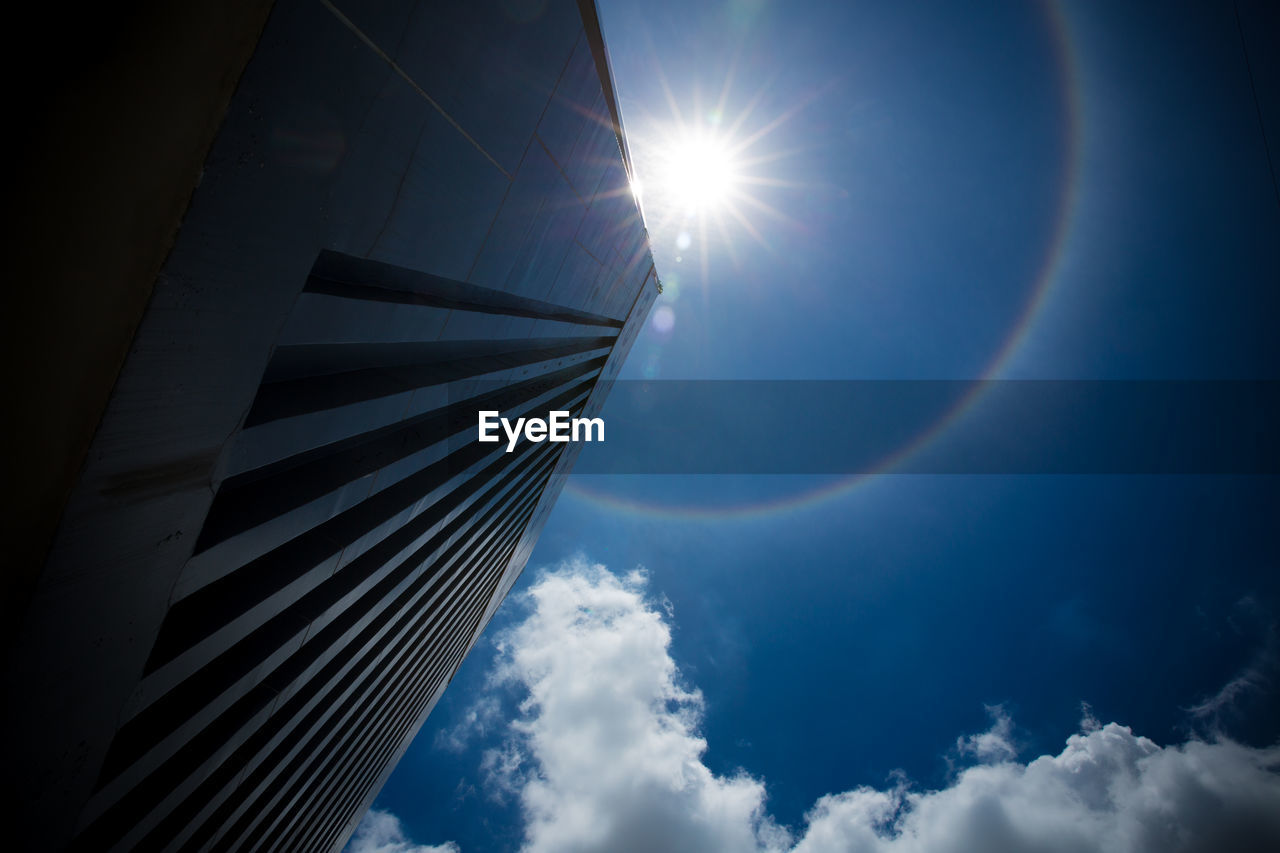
<point x="607" y="756"/>
<point x="1088" y="722"/>
<point x="476" y="722"/>
<point x="380" y="832"/>
<point x="996" y="743"/>
<point x="1108" y="790"/>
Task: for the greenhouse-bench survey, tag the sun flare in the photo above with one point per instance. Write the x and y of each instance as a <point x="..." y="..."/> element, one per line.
<point x="708" y="174"/>
<point x="700" y="174"/>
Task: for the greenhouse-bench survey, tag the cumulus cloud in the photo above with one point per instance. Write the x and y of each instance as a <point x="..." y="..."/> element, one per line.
<point x="1108" y="790"/>
<point x="606" y="755"/>
<point x="380" y="832"/>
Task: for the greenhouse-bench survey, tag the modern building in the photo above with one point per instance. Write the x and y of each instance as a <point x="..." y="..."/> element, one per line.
<point x="283" y="536"/>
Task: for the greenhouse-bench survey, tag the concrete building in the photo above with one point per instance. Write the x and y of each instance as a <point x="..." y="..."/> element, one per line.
<point x="266" y="537"/>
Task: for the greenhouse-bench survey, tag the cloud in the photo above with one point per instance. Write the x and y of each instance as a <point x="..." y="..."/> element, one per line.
<point x="380" y="832"/>
<point x="1252" y="678"/>
<point x="1257" y="677"/>
<point x="995" y="744"/>
<point x="606" y="755"/>
<point x="1108" y="790"/>
<point x="1088" y="722"/>
<point x="476" y="722"/>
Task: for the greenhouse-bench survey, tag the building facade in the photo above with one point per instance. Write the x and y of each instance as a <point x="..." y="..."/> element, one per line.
<point x="285" y="537"/>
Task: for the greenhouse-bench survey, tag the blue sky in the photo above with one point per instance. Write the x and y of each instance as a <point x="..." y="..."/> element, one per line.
<point x="1011" y="190"/>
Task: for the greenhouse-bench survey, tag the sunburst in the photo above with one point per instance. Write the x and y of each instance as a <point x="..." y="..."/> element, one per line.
<point x="702" y="172"/>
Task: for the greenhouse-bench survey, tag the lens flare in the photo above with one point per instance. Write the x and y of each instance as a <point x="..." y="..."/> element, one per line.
<point x="664" y="319"/>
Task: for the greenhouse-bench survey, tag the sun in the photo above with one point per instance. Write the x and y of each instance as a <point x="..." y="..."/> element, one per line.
<point x="700" y="173"/>
<point x="707" y="174"/>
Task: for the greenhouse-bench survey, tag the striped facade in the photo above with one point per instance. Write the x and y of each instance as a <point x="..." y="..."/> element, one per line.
<point x="286" y="537"/>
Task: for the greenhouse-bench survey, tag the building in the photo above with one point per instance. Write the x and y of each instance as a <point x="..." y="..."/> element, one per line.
<point x="283" y="537"/>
